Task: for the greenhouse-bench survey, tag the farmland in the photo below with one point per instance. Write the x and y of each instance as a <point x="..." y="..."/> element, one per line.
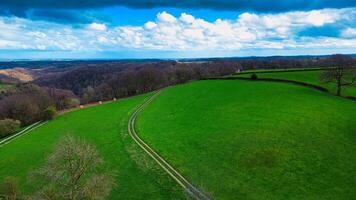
<point x="230" y="138"/>
<point x="177" y="100"/>
<point x="105" y="126"/>
<point x="256" y="140"/>
<point x="311" y="77"/>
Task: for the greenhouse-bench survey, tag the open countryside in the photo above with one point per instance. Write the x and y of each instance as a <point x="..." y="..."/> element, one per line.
<point x="203" y="100"/>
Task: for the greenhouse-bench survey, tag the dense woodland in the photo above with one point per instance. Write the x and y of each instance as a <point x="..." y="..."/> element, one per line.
<point x="71" y="85"/>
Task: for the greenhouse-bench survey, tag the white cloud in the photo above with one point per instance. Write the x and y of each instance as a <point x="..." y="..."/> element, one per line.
<point x="187" y="18"/>
<point x="319" y="18"/>
<point x="150" y="25"/>
<point x="166" y="17"/>
<point x="185" y="33"/>
<point x="349" y="33"/>
<point x="97" y="27"/>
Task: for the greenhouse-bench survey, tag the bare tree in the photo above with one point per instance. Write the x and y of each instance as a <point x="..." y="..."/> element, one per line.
<point x="72" y="172"/>
<point x="88" y="94"/>
<point x="62" y="98"/>
<point x="342" y="71"/>
<point x="150" y="79"/>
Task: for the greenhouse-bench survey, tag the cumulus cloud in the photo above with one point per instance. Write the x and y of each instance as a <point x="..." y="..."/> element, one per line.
<point x="349" y="33"/>
<point x="150" y="25"/>
<point x="186" y="18"/>
<point x="97" y="27"/>
<point x="166" y="17"/>
<point x="184" y="33"/>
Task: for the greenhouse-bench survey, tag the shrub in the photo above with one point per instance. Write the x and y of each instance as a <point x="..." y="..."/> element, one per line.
<point x="72" y="103"/>
<point x="49" y="113"/>
<point x="8" y="126"/>
<point x="88" y="94"/>
<point x="254" y="76"/>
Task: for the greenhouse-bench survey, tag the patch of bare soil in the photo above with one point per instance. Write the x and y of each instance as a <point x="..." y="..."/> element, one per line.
<point x="20" y="74"/>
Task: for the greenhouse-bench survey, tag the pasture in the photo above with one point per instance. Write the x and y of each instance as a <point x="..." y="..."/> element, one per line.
<point x="234" y="139"/>
<point x="241" y="139"/>
<point x="312" y="77"/>
<point x="105" y="126"/>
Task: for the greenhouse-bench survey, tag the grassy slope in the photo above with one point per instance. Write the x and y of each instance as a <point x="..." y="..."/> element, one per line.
<point x="104" y="126"/>
<point x="305" y="76"/>
<point x="256" y="140"/>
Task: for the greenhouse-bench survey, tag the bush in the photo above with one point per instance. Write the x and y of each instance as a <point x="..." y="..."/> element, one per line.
<point x="8" y="126"/>
<point x="72" y="103"/>
<point x="49" y="113"/>
<point x="254" y="76"/>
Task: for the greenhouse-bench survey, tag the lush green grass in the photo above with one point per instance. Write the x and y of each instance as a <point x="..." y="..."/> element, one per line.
<point x="256" y="140"/>
<point x="304" y="76"/>
<point x="105" y="126"/>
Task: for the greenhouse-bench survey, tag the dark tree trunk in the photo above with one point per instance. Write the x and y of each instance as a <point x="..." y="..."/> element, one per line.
<point x="338" y="87"/>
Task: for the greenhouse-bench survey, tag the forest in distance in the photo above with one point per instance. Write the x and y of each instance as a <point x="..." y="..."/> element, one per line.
<point x="66" y="87"/>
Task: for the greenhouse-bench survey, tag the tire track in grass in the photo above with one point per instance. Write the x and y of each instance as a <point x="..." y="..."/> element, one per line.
<point x="21" y="133"/>
<point x="183" y="182"/>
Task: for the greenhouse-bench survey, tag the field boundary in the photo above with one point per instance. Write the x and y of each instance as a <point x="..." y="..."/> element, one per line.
<point x="173" y="173"/>
<point x="276" y="80"/>
<point x="21" y="133"/>
<point x="266" y="71"/>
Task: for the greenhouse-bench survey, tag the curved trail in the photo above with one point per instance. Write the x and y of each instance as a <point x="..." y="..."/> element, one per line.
<point x="21" y="133"/>
<point x="189" y="187"/>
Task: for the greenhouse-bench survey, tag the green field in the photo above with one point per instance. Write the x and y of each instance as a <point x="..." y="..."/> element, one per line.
<point x="240" y="139"/>
<point x="235" y="139"/>
<point x="105" y="126"/>
<point x="303" y="76"/>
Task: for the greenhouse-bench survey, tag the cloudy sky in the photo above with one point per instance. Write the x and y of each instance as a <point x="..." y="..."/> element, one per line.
<point x="42" y="29"/>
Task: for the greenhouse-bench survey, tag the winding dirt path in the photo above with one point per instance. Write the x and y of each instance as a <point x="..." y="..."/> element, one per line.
<point x="187" y="186"/>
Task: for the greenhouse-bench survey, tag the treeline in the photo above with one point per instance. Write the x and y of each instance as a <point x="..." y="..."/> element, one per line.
<point x="94" y="83"/>
<point x="26" y="103"/>
<point x="31" y="102"/>
<point x="63" y="88"/>
<point x="283" y="63"/>
<point x="133" y="82"/>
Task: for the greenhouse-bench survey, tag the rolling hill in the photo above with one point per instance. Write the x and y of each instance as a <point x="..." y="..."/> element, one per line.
<point x="104" y="126"/>
<point x="234" y="139"/>
<point x="307" y="76"/>
<point x="256" y="140"/>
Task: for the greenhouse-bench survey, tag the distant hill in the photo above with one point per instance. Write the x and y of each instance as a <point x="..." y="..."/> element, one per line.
<point x="34" y="64"/>
<point x="7" y="79"/>
<point x="38" y="64"/>
<point x="19" y="74"/>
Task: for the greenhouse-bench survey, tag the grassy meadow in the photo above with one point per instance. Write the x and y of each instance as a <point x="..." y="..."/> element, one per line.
<point x="104" y="126"/>
<point x="256" y="140"/>
<point x="311" y="77"/>
<point x="235" y="139"/>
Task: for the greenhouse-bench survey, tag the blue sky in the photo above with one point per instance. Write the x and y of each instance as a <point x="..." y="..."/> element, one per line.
<point x="53" y="29"/>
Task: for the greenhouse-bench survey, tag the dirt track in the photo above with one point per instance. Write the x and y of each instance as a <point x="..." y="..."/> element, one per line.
<point x="187" y="186"/>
